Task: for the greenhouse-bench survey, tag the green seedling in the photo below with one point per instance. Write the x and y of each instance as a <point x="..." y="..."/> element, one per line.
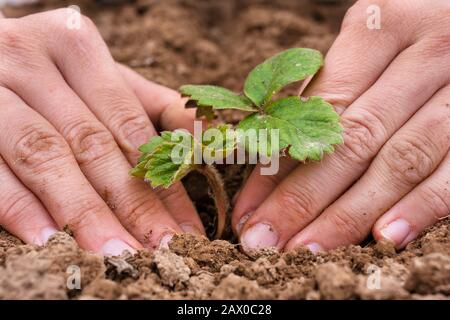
<point x="307" y="128"/>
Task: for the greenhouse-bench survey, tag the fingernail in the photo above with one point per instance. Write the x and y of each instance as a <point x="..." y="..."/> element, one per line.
<point x="260" y="236"/>
<point x="314" y="247"/>
<point x="189" y="228"/>
<point x="164" y="242"/>
<point x="46" y="233"/>
<point x="396" y="231"/>
<point x="242" y="221"/>
<point x="115" y="247"/>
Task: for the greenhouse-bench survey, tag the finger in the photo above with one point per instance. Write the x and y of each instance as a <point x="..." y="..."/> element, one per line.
<point x="370" y="121"/>
<point x="418" y="210"/>
<point x="256" y="189"/>
<point x="346" y="75"/>
<point x="42" y="160"/>
<point x="408" y="158"/>
<point x="21" y="213"/>
<point x="164" y="106"/>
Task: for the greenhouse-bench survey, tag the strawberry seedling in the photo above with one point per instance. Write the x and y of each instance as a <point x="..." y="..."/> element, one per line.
<point x="306" y="128"/>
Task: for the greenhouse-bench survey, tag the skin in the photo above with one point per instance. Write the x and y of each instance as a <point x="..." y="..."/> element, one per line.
<point x="392" y="175"/>
<point x="71" y="116"/>
<point x="71" y="121"/>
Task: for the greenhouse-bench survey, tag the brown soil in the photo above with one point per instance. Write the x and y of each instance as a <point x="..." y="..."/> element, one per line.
<point x="193" y="41"/>
<point x="196" y="268"/>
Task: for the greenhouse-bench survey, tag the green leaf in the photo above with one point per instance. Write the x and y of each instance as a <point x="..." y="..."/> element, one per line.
<point x="151" y="145"/>
<point x="220" y="144"/>
<point x="206" y="111"/>
<point x="275" y="73"/>
<point x="307" y="128"/>
<point x="166" y="159"/>
<point x="217" y="97"/>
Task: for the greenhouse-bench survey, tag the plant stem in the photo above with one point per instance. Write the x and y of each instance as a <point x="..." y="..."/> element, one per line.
<point x="218" y="193"/>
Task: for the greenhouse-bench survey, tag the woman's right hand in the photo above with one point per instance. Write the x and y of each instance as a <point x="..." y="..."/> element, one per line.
<point x="71" y="120"/>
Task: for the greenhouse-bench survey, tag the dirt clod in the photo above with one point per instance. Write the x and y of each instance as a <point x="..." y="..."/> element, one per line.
<point x="171" y="267"/>
<point x="430" y="275"/>
<point x="200" y="286"/>
<point x="335" y="282"/>
<point x="389" y="287"/>
<point x="235" y="287"/>
<point x="211" y="255"/>
<point x="120" y="267"/>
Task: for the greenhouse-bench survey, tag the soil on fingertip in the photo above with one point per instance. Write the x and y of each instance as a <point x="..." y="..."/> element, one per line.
<point x="175" y="42"/>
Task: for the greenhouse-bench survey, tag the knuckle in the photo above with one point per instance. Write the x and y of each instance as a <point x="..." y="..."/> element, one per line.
<point x="170" y="194"/>
<point x="129" y="125"/>
<point x="57" y="17"/>
<point x="14" y="207"/>
<point x="362" y="137"/>
<point x="338" y="89"/>
<point x="435" y="24"/>
<point x="357" y="14"/>
<point x="392" y="15"/>
<point x="9" y="38"/>
<point x="38" y="148"/>
<point x="77" y="39"/>
<point x="272" y="180"/>
<point x="409" y="160"/>
<point x="352" y="16"/>
<point x="435" y="46"/>
<point x="90" y="142"/>
<point x="438" y="202"/>
<point x="133" y="211"/>
<point x="116" y="98"/>
<point x="348" y="225"/>
<point x="82" y="217"/>
<point x="297" y="203"/>
<point x="18" y="51"/>
<point x="125" y="120"/>
<point x="60" y="19"/>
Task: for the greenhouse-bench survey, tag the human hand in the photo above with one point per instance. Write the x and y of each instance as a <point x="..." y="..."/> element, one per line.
<point x="391" y="175"/>
<point x="71" y="120"/>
